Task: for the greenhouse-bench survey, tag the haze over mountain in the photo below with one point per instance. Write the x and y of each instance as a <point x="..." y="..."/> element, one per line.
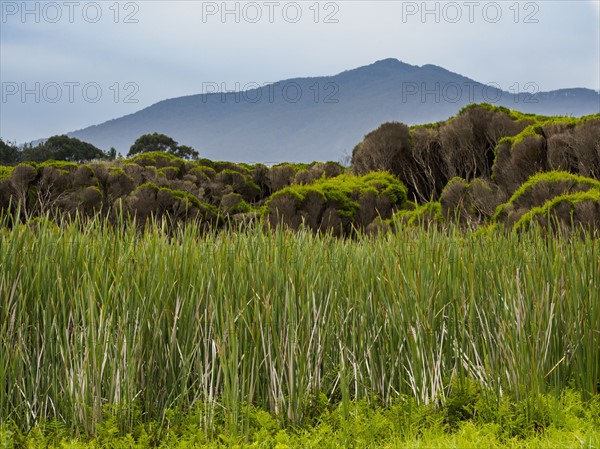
<point x="323" y="118"/>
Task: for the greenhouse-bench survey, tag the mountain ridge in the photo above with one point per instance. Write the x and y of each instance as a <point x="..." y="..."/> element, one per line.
<point x="331" y="114"/>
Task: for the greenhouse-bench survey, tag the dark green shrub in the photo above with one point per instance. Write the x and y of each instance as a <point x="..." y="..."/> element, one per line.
<point x="317" y="171"/>
<point x="151" y="201"/>
<point x="519" y="158"/>
<point x="84" y="176"/>
<point x="158" y="159"/>
<point x="233" y="203"/>
<point x="169" y="172"/>
<point x="279" y="177"/>
<point x="140" y="174"/>
<point x="574" y="146"/>
<point x="384" y="149"/>
<point x="21" y="180"/>
<point x="568" y="212"/>
<point x="338" y="203"/>
<point x="468" y="140"/>
<point x="219" y="166"/>
<point x="471" y="203"/>
<point x="117" y="184"/>
<point x="86" y="201"/>
<point x="539" y="189"/>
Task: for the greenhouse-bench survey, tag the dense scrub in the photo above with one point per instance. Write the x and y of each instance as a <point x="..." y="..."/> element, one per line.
<point x="540" y="189"/>
<point x="338" y="204"/>
<point x="153" y="184"/>
<point x="579" y="211"/>
<point x="426" y="157"/>
<point x="475" y="163"/>
<point x="488" y="165"/>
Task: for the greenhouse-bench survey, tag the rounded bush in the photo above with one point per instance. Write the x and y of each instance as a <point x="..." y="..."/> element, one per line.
<point x="539" y="189"/>
<point x="568" y="212"/>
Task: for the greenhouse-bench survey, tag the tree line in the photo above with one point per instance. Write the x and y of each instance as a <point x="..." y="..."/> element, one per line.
<point x="487" y="166"/>
<point x="70" y="149"/>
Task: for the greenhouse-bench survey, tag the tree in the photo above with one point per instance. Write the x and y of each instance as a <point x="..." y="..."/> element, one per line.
<point x="160" y="142"/>
<point x="185" y="152"/>
<point x="384" y="149"/>
<point x="9" y="153"/>
<point x="62" y="148"/>
<point x="36" y="153"/>
<point x="425" y="174"/>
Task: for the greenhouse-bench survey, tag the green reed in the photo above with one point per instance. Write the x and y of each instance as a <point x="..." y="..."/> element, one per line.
<point x="93" y="314"/>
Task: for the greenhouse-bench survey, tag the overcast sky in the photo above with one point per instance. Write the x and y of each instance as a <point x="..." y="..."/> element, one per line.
<point x="88" y="62"/>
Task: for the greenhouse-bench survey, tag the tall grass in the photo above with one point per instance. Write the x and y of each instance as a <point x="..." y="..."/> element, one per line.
<point x="93" y="314"/>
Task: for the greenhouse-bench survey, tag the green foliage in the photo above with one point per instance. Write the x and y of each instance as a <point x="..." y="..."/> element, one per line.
<point x="115" y="171"/>
<point x="233" y="203"/>
<point x="62" y="148"/>
<point x="184" y="196"/>
<point x="470" y="203"/>
<point x="206" y="162"/>
<point x="541" y="422"/>
<point x="204" y="170"/>
<point x="382" y="149"/>
<point x="220" y="166"/>
<point x="461" y="402"/>
<point x="9" y="153"/>
<point x="178" y="320"/>
<point x="488" y="230"/>
<point x="169" y="172"/>
<point x="155" y="142"/>
<point x="553" y="177"/>
<point x="157" y="159"/>
<point x="295" y="166"/>
<point x="533" y="131"/>
<point x="41" y="223"/>
<point x="513" y="114"/>
<point x="539" y="189"/>
<point x="343" y="191"/>
<point x="186" y="152"/>
<point x="562" y="208"/>
<point x="232" y="173"/>
<point x="72" y="149"/>
<point x="5" y="172"/>
<point x="341" y="204"/>
<point x="424" y="215"/>
<point x="68" y="167"/>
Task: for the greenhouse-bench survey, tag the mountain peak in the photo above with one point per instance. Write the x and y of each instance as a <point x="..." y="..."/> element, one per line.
<point x="391" y="63"/>
<point x="383" y="66"/>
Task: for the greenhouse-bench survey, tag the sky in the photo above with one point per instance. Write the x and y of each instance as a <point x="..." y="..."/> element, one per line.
<point x="66" y="65"/>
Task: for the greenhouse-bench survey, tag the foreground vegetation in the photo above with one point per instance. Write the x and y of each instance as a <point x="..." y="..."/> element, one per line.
<point x="413" y="299"/>
<point x="210" y="334"/>
<point x="568" y="423"/>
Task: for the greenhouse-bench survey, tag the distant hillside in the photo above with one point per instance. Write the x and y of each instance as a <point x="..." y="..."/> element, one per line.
<point x="307" y="119"/>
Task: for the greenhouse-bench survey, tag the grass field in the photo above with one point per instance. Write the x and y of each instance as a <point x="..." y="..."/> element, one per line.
<point x="421" y="338"/>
